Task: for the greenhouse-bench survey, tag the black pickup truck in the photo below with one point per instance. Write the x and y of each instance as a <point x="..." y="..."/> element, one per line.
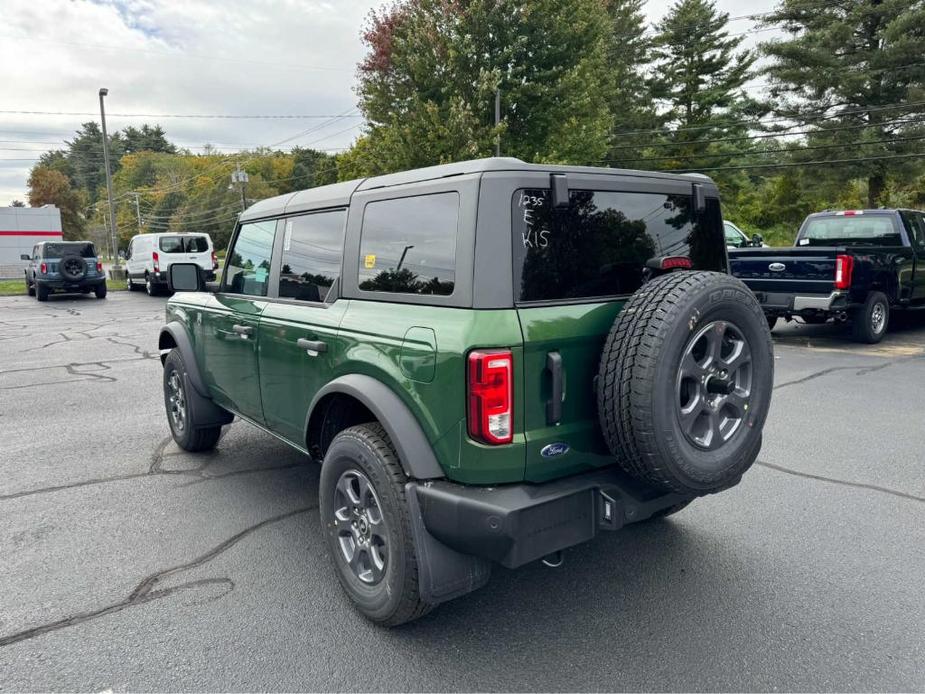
<point x="849" y="265"/>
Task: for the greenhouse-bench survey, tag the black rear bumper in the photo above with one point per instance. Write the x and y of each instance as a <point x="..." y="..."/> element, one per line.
<point x="516" y="524"/>
<point x="71" y="285"/>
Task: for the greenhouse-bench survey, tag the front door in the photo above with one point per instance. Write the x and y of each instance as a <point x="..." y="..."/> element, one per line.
<point x="299" y="348"/>
<point x="230" y="322"/>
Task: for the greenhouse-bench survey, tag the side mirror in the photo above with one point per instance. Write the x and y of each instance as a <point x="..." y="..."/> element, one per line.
<point x="185" y="277"/>
<point x="23" y="256"/>
<point x="757" y="240"/>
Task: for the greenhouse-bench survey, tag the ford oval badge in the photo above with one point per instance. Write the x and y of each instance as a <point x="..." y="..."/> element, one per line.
<point x="777" y="267"/>
<point x="554" y="449"/>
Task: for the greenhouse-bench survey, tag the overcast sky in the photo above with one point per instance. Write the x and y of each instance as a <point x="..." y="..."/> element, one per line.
<point x="233" y="57"/>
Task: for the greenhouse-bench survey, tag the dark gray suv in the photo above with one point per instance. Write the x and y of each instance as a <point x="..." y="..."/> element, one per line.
<point x="66" y="266"/>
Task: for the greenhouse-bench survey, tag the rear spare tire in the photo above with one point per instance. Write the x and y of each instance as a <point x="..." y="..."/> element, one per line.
<point x="72" y="267"/>
<point x="685" y="381"/>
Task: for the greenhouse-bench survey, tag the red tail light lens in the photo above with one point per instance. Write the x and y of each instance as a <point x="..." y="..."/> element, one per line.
<point x="844" y="266"/>
<point x="157" y="261"/>
<point x="214" y="261"/>
<point x="43" y="268"/>
<point x="491" y="396"/>
<point x="676" y="261"/>
<point x="99" y="267"/>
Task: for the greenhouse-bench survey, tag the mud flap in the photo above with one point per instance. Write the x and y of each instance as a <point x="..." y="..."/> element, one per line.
<point x="203" y="411"/>
<point x="443" y="573"/>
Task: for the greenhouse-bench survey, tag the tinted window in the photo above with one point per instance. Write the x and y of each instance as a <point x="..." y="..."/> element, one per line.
<point x="58" y="250"/>
<point x="859" y="229"/>
<point x="312" y="249"/>
<point x="184" y="244"/>
<point x="171" y="244"/>
<point x="408" y="245"/>
<point x="249" y="260"/>
<point x="197" y="244"/>
<point x="599" y="246"/>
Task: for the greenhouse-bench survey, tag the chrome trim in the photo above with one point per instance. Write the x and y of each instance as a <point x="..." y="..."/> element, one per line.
<point x="819" y="303"/>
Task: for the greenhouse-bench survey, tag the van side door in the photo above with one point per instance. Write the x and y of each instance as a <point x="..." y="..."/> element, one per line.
<point x="230" y="321"/>
<point x="299" y="347"/>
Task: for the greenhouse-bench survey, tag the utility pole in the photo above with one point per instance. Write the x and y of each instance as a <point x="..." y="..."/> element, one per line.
<point x="240" y="177"/>
<point x="112" y="209"/>
<point x="137" y="211"/>
<point x="498" y="121"/>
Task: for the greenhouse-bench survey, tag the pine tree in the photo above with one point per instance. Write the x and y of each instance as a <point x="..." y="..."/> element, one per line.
<point x="853" y="73"/>
<point x="699" y="75"/>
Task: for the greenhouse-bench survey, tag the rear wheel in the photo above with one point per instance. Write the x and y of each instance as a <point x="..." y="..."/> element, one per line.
<point x="685" y="382"/>
<point x="130" y="284"/>
<point x="367" y="528"/>
<point x="183" y="425"/>
<point x="871" y="320"/>
<point x="100" y="291"/>
<point x="150" y="286"/>
<point x="41" y="292"/>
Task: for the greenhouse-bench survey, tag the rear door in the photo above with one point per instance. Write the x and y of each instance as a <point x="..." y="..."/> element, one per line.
<point x="298" y="328"/>
<point x="197" y="249"/>
<point x="231" y="318"/>
<point x="573" y="270"/>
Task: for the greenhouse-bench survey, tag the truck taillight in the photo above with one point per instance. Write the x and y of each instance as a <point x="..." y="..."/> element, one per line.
<point x="214" y="261"/>
<point x="157" y="261"/>
<point x="844" y="266"/>
<point x="43" y="268"/>
<point x="99" y="267"/>
<point x="491" y="396"/>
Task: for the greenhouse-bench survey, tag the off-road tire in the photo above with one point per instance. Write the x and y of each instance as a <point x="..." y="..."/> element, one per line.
<point x="864" y="327"/>
<point x="367" y="449"/>
<point x="189" y="437"/>
<point x="41" y="293"/>
<point x="640" y="375"/>
<point x="66" y="262"/>
<point x="30" y="288"/>
<point x="669" y="510"/>
<point x="100" y="291"/>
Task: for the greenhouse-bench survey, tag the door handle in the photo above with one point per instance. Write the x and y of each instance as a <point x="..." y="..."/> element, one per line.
<point x="313" y="347"/>
<point x="554" y="404"/>
<point x="244" y="331"/>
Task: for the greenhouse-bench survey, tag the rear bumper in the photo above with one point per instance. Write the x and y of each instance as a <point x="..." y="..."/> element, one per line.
<point x="784" y="303"/>
<point x="519" y="523"/>
<point x="85" y="283"/>
<point x="161" y="277"/>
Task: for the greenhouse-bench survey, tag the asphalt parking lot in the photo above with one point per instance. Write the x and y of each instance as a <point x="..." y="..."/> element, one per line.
<point x="126" y="564"/>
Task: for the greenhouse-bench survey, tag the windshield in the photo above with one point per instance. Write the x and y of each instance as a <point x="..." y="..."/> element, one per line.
<point x="859" y="229"/>
<point x="184" y="244"/>
<point x="59" y="250"/>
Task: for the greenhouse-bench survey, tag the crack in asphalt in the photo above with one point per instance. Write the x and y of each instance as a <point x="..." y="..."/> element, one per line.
<point x="155" y="468"/>
<point x="72" y="369"/>
<point x="834" y="480"/>
<point x="146" y="590"/>
<point x="857" y="368"/>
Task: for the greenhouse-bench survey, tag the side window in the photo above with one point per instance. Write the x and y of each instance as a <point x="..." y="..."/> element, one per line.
<point x="249" y="260"/>
<point x="408" y="245"/>
<point x="733" y="238"/>
<point x="918" y="231"/>
<point x="313" y="246"/>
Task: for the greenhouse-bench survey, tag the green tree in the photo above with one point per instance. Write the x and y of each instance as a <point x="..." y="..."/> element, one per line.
<point x="699" y="74"/>
<point x="428" y="82"/>
<point x="145" y="139"/>
<point x="50" y="187"/>
<point x="843" y="68"/>
<point x="17" y="203"/>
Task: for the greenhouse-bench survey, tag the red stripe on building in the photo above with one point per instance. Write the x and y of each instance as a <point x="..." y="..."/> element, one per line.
<point x="30" y="233"/>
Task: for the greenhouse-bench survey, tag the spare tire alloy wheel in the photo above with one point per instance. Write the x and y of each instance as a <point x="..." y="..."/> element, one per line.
<point x="72" y="267"/>
<point x="714" y="384"/>
<point x="685" y="381"/>
<point x="361" y="532"/>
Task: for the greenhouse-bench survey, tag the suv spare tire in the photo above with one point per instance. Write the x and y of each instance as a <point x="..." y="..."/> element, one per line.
<point x="685" y="382"/>
<point x="72" y="267"/>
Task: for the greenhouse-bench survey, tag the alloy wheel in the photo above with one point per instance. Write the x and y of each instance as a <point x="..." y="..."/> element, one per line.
<point x="360" y="526"/>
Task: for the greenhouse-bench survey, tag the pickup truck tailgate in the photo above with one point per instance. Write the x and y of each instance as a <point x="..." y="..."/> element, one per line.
<point x="809" y="270"/>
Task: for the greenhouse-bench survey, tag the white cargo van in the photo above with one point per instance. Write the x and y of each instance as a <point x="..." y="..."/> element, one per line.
<point x="149" y="256"/>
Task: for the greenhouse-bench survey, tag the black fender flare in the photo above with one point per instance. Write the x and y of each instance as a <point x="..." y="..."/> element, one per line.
<point x="177" y="332"/>
<point x="414" y="450"/>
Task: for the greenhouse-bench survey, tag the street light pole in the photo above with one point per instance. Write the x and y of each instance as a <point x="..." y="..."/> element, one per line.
<point x="112" y="210"/>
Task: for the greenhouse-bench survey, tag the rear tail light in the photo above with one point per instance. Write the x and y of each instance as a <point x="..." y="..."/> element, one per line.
<point x="214" y="261"/>
<point x="844" y="266"/>
<point x="491" y="396"/>
<point x="43" y="268"/>
<point x="674" y="262"/>
<point x="99" y="267"/>
<point x="157" y="261"/>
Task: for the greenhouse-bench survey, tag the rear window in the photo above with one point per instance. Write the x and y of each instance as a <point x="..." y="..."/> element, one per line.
<point x="184" y="244"/>
<point x="599" y="246"/>
<point x="847" y="230"/>
<point x="408" y="245"/>
<point x="58" y="250"/>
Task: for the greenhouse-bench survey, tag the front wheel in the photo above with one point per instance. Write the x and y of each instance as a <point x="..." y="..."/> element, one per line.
<point x="871" y="320"/>
<point x="30" y="289"/>
<point x="182" y="423"/>
<point x="367" y="527"/>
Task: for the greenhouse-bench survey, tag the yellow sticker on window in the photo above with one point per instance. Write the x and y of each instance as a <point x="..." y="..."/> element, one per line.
<point x="369" y="262"/>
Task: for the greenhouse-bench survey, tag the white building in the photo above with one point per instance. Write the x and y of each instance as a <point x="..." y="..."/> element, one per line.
<point x="20" y="229"/>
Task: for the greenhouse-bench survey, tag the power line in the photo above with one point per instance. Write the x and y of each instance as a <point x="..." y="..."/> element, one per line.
<point x="822" y="162"/>
<point x="228" y="116"/>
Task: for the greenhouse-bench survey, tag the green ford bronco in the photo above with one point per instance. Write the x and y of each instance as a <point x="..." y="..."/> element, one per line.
<point x="492" y="361"/>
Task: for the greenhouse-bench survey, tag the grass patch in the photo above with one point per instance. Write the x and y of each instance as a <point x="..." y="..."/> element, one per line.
<point x="18" y="287"/>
